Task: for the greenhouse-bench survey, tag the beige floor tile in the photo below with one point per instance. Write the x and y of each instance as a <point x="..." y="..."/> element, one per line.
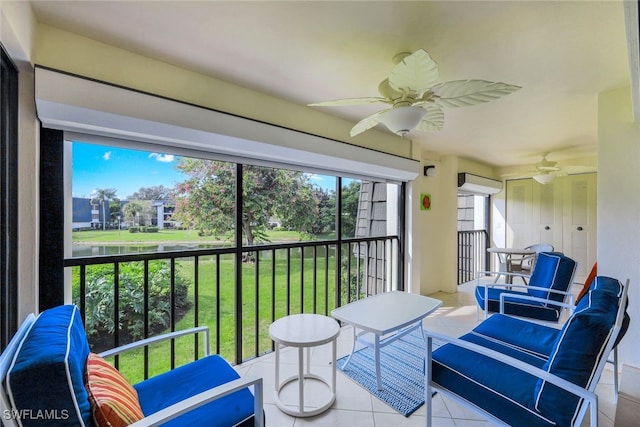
<point x="339" y="417"/>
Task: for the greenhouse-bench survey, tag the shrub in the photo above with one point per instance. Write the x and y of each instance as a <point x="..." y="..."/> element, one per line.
<point x="134" y="229"/>
<point x="100" y="299"/>
<point x="151" y="229"/>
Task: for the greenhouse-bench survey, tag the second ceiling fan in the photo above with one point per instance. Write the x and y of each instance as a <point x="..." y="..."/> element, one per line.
<point x="416" y="97"/>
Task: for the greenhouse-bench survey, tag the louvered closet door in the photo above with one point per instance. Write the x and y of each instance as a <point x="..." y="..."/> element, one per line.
<point x="547" y="208"/>
<point x="519" y="231"/>
<point x="580" y="221"/>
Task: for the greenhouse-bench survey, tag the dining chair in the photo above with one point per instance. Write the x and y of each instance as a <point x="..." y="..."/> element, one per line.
<point x="527" y="263"/>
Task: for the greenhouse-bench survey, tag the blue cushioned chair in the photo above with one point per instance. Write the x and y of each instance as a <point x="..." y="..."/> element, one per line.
<point x="544" y="298"/>
<point x="517" y="372"/>
<point x="42" y="380"/>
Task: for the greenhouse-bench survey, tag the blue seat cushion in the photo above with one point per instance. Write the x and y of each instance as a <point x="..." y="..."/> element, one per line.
<point x="517" y="306"/>
<point x="47" y="373"/>
<point x="578" y="349"/>
<point x="482" y="382"/>
<point x="188" y="380"/>
<point x="526" y="336"/>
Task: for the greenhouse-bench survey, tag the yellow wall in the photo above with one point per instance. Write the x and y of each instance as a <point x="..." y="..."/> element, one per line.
<point x="619" y="206"/>
<point x="69" y="52"/>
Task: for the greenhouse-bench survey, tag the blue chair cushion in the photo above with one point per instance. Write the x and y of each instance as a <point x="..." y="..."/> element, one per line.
<point x="482" y="382"/>
<point x="607" y="284"/>
<point x="613" y="286"/>
<point x="55" y="348"/>
<point x="188" y="380"/>
<point x="517" y="306"/>
<point x="552" y="271"/>
<point x="526" y="336"/>
<point x="576" y="353"/>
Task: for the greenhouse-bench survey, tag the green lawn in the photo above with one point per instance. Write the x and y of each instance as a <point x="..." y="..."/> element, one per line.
<point x="258" y="297"/>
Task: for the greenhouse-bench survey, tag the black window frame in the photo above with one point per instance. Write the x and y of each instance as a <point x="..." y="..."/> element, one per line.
<point x="8" y="197"/>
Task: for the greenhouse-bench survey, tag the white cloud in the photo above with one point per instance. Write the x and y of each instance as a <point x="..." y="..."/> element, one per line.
<point x="164" y="158"/>
<point x="106" y="155"/>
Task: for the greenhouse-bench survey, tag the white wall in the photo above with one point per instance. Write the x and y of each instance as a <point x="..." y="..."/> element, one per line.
<point x="619" y="206"/>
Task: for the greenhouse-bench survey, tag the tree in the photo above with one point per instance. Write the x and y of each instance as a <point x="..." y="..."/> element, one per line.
<point x="206" y="200"/>
<point x="326" y="218"/>
<point x="115" y="209"/>
<point x="157" y="192"/>
<point x="350" y="199"/>
<point x="103" y="195"/>
<point x="132" y="209"/>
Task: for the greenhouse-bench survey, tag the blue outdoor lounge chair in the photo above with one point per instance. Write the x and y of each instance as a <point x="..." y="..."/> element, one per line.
<point x="544" y="298"/>
<point x="517" y="372"/>
<point x="49" y="377"/>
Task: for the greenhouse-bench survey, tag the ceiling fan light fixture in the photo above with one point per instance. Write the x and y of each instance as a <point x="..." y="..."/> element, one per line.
<point x="402" y="120"/>
<point x="544" y="178"/>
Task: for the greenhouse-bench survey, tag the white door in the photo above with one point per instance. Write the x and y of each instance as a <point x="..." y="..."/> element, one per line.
<point x="547" y="214"/>
<point x="519" y="232"/>
<point x="579" y="225"/>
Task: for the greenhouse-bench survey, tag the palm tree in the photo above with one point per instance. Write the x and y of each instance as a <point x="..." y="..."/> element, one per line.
<point x="103" y="195"/>
<point x="132" y="209"/>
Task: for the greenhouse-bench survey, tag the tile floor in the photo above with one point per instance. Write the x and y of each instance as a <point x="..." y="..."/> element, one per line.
<point x="355" y="407"/>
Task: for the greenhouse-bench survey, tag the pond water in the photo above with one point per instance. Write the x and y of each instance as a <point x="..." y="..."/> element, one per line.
<point x="95" y="250"/>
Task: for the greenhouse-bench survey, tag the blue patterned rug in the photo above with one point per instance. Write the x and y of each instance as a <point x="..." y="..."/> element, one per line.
<point x="401" y="366"/>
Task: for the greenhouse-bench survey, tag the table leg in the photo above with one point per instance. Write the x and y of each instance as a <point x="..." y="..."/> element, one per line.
<point x="333" y="372"/>
<point x="353" y="348"/>
<point x="277" y="383"/>
<point x="376" y="348"/>
<point x="301" y="379"/>
<point x="502" y="266"/>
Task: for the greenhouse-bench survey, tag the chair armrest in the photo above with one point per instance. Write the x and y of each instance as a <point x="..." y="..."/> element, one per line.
<point x="529" y="287"/>
<point x="589" y="396"/>
<point x="570" y="305"/>
<point x="164" y="337"/>
<point x="502" y="273"/>
<point x="205" y="397"/>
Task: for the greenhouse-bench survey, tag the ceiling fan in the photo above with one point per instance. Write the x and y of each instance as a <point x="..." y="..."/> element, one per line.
<point x="545" y="171"/>
<point x="416" y="97"/>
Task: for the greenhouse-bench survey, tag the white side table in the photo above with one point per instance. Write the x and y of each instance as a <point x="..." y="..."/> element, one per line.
<point x="304" y="331"/>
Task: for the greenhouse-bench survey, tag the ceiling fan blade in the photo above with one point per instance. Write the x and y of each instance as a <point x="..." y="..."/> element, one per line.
<point x="348" y="101"/>
<point x="415" y="73"/>
<point x="367" y="123"/>
<point x="433" y="120"/>
<point x="462" y="93"/>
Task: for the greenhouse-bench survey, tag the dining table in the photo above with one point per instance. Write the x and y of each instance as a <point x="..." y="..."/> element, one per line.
<point x="505" y="255"/>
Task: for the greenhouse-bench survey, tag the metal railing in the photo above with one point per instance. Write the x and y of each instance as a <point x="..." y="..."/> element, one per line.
<point x="236" y="292"/>
<point x="472" y="254"/>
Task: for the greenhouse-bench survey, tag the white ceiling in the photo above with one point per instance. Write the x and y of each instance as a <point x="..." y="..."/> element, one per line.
<point x="562" y="53"/>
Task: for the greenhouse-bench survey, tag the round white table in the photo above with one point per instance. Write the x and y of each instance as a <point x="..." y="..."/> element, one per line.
<point x="304" y="331"/>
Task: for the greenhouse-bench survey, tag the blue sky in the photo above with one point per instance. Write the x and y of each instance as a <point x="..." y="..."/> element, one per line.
<point x="126" y="170"/>
<point x="98" y="166"/>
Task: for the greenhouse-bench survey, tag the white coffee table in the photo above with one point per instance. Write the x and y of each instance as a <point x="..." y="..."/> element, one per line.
<point x="385" y="318"/>
<point x="304" y="331"/>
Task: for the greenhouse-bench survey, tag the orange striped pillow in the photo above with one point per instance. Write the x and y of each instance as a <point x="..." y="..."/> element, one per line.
<point x="114" y="402"/>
